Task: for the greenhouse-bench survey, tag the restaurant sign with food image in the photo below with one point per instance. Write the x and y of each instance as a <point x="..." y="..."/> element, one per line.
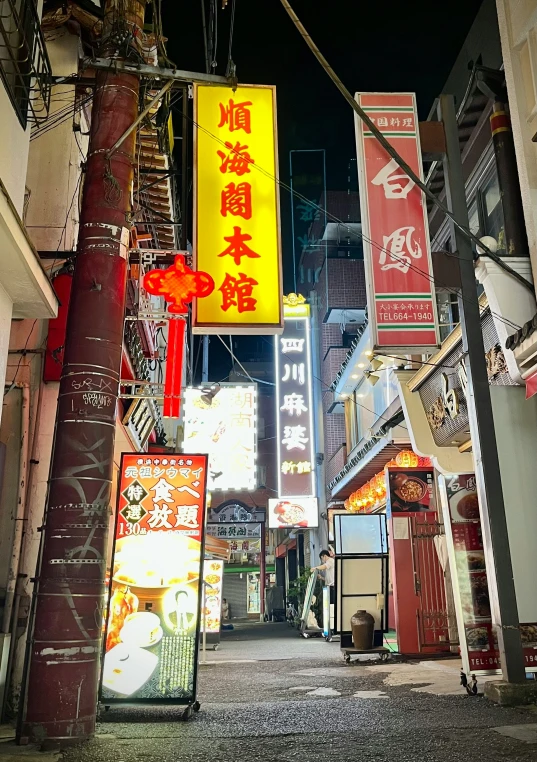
<point x="153" y="623"/>
<point x="289" y="513"/>
<point x="410" y="490"/>
<point x="479" y="646"/>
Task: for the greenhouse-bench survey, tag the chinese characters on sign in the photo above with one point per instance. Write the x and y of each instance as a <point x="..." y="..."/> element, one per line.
<point x="401" y="303"/>
<point x="294" y="400"/>
<point x="237" y="236"/>
<point x="227" y="431"/>
<point x="153" y="620"/>
<point x="241" y="538"/>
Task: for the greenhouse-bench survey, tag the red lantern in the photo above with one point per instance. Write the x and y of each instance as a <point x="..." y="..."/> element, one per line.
<point x="407" y="459"/>
<point x="174" y="368"/>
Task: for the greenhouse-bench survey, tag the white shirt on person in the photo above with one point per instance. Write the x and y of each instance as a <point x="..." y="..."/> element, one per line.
<point x="329" y="572"/>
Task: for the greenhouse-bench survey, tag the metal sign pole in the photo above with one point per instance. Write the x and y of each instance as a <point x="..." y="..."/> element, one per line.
<point x="204" y="639"/>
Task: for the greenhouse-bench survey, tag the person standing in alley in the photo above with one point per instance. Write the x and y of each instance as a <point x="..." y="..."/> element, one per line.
<point x="327" y="568"/>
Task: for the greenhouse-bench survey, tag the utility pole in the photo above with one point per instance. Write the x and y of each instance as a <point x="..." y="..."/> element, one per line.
<point x="482" y="430"/>
<point x="64" y="650"/>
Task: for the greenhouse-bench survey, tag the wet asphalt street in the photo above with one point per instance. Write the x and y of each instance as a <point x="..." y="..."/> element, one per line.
<point x="269" y="695"/>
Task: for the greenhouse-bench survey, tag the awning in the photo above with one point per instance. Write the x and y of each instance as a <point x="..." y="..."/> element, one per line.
<point x="21" y="273"/>
<point x="215" y="548"/>
<point x="374" y="461"/>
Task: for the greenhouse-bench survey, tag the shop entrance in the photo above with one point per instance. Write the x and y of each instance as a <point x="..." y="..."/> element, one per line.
<point x="432" y="611"/>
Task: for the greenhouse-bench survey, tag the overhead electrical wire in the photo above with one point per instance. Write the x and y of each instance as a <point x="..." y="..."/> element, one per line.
<point x="390" y="150"/>
<point x="510" y="324"/>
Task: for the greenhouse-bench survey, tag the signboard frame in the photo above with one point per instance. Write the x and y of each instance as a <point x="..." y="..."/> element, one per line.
<point x="188" y="395"/>
<point x="239" y="327"/>
<point x="406" y="244"/>
<point x="191" y="700"/>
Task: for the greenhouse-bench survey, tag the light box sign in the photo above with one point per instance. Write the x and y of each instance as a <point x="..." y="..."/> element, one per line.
<point x="225" y="429"/>
<point x="397" y="255"/>
<point x="241" y="538"/>
<point x="294" y="411"/>
<point x="213" y="576"/>
<point x="479" y="646"/>
<point x="155" y="593"/>
<point x="236" y="209"/>
<point x="300" y="513"/>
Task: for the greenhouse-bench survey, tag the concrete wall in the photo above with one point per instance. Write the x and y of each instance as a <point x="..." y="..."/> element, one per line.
<point x="518" y="30"/>
<point x="14" y="143"/>
<point x="515" y="418"/>
<point x="55" y="158"/>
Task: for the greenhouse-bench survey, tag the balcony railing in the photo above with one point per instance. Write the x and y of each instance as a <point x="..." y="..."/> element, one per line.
<point x="24" y="65"/>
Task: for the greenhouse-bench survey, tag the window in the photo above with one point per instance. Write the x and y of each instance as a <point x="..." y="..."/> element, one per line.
<point x="261" y="476"/>
<point x="448" y="312"/>
<point x="24" y="65"/>
<point x="492" y="211"/>
<point x="360" y="414"/>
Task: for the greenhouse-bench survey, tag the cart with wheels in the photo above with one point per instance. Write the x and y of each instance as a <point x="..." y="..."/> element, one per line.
<point x="382" y="652"/>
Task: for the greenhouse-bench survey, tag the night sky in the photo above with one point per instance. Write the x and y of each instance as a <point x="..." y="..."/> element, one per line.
<point x="373" y="46"/>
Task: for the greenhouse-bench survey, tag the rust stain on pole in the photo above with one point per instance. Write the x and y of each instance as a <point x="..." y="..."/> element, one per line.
<point x="65" y="649"/>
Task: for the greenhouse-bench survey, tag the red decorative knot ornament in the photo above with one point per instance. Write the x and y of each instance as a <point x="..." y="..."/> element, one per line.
<point x="178" y="285"/>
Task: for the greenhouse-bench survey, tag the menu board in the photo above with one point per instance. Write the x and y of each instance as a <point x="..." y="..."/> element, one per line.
<point x="153" y="617"/>
<point x="478" y="637"/>
<point x="213" y="577"/>
<point x="410" y="490"/>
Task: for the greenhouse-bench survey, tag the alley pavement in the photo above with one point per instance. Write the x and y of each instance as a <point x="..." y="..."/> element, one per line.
<point x="270" y="695"/>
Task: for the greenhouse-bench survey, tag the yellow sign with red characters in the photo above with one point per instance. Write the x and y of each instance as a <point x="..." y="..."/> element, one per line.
<point x="236" y="210"/>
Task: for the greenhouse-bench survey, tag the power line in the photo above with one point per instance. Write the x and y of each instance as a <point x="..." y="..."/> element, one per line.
<point x="356" y="234"/>
<point x="391" y="150"/>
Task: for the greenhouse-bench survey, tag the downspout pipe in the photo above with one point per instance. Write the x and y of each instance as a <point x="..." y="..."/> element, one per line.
<point x="20" y="515"/>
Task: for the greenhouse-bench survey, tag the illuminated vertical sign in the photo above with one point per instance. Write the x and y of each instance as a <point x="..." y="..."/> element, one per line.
<point x="236" y="209"/>
<point x="294" y="401"/>
<point x="153" y="618"/>
<point x="397" y="255"/>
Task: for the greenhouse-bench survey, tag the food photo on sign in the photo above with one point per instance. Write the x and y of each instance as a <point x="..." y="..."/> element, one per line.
<point x="213" y="573"/>
<point x="153" y="617"/>
<point x="293" y="512"/>
<point x="410" y="490"/>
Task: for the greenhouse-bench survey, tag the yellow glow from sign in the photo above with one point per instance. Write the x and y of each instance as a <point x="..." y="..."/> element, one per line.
<point x="236" y="206"/>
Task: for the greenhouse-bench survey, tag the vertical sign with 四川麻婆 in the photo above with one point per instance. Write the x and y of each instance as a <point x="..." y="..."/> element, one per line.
<point x="236" y="209"/>
<point x="397" y="255"/>
<point x="153" y="621"/>
<point x="294" y="400"/>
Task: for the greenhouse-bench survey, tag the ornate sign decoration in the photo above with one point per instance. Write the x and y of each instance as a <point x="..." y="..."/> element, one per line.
<point x="178" y="285"/>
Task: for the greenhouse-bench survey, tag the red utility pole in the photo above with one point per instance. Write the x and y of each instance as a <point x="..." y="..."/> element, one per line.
<point x="64" y="649"/>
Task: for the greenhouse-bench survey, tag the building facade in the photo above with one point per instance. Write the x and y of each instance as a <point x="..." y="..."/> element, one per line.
<point x="47" y="188"/>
